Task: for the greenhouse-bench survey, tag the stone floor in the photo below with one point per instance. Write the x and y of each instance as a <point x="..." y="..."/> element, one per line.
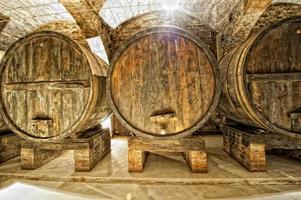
<point x="164" y="177"/>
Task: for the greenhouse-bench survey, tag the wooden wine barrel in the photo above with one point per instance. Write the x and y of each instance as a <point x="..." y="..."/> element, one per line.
<point x="51" y="87"/>
<point x="3" y="126"/>
<point x="164" y="82"/>
<point x="262" y="80"/>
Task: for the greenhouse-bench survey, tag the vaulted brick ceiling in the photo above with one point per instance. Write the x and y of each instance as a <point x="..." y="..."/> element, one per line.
<point x="3" y="21"/>
<point x="232" y="17"/>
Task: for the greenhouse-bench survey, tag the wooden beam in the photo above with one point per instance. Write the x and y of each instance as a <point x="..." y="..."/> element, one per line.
<point x="48" y="85"/>
<point x="96" y="4"/>
<point x="193" y="148"/>
<point x="86" y="15"/>
<point x="276" y="77"/>
<point x="179" y="145"/>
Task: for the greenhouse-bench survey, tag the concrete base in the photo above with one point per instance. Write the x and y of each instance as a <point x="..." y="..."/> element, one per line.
<point x="193" y="149"/>
<point x="10" y="145"/>
<point x="88" y="150"/>
<point x="241" y="145"/>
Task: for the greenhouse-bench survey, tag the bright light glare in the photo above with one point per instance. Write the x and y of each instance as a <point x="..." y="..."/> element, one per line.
<point x="106" y="123"/>
<point x="170" y="5"/>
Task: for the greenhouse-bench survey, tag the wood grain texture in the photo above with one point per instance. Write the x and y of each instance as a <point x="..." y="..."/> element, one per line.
<point x="261" y="80"/>
<point x="89" y="149"/>
<point x="244" y="148"/>
<point x="178" y="145"/>
<point x="136" y="160"/>
<point x="197" y="161"/>
<point x="10" y="146"/>
<point x="3" y="127"/>
<point x="193" y="149"/>
<point x="163" y="83"/>
<point x="33" y="157"/>
<point x="182" y="19"/>
<point x="52" y="87"/>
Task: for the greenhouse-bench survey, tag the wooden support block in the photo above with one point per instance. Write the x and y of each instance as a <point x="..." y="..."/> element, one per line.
<point x="197" y="161"/>
<point x="247" y="150"/>
<point x="193" y="149"/>
<point x="291" y="153"/>
<point x="136" y="160"/>
<point x="256" y="158"/>
<point x="89" y="148"/>
<point x="33" y="156"/>
<point x="10" y="146"/>
<point x="100" y="145"/>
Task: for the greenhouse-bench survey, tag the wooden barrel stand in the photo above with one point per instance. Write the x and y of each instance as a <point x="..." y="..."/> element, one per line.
<point x="249" y="147"/>
<point x="242" y="146"/>
<point x="10" y="145"/>
<point x="89" y="149"/>
<point x="193" y="149"/>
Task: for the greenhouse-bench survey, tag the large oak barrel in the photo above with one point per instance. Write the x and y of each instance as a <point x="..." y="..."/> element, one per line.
<point x="262" y="80"/>
<point x="51" y="87"/>
<point x="3" y="126"/>
<point x="164" y="82"/>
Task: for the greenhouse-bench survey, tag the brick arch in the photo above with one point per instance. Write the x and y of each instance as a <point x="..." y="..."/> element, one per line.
<point x="275" y="13"/>
<point x="68" y="28"/>
<point x="156" y="18"/>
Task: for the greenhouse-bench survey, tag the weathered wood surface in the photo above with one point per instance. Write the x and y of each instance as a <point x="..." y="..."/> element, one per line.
<point x="182" y="19"/>
<point x="10" y="146"/>
<point x="193" y="149"/>
<point x="277" y="77"/>
<point x="3" y="126"/>
<point x="241" y="146"/>
<point x="197" y="161"/>
<point x="118" y="129"/>
<point x="272" y="141"/>
<point x="136" y="160"/>
<point x="89" y="148"/>
<point x="99" y="146"/>
<point x="33" y="158"/>
<point x="261" y="80"/>
<point x="163" y="83"/>
<point x="51" y="87"/>
<point x="175" y="145"/>
<point x="85" y="141"/>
